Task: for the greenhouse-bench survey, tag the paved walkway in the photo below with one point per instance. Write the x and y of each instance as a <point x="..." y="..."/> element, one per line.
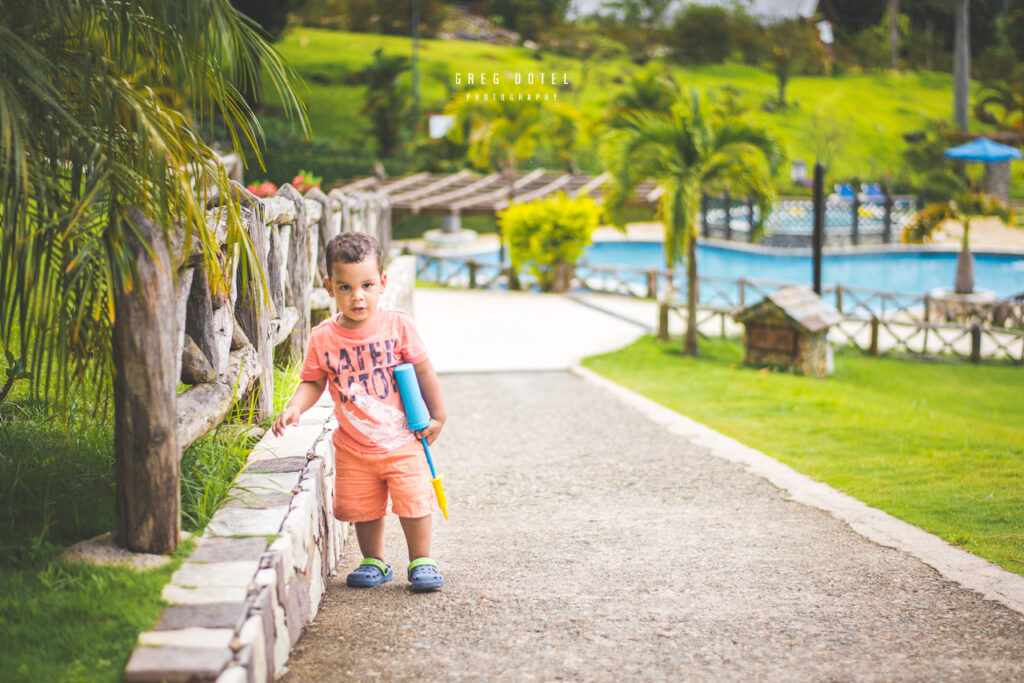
<point x="592" y="540"/>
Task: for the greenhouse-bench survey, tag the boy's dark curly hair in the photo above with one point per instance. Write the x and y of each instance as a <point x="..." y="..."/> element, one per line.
<point x="353" y="247"/>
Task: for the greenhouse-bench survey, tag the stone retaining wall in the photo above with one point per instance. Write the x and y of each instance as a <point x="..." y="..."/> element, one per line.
<point x="239" y="603"/>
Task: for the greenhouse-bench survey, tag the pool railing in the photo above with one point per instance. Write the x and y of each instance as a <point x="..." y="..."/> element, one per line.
<point x="873" y="320"/>
<point x="860" y="219"/>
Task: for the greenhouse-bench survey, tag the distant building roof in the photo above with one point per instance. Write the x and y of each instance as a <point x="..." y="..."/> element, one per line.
<point x="768" y="10"/>
<point x="467" y="192"/>
<point x="783" y="9"/>
<point x="800" y="305"/>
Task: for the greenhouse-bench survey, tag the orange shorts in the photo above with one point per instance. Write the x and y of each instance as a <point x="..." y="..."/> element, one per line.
<point x="362" y="483"/>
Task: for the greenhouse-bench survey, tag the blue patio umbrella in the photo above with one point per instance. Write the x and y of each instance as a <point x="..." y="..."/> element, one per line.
<point x="983" y="149"/>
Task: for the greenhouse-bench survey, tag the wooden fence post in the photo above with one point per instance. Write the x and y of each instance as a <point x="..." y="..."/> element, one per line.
<point x="873" y="349"/>
<point x="975" y="343"/>
<point x="663" y="320"/>
<point x="652" y="284"/>
<point x="319" y="241"/>
<point x="252" y="310"/>
<point x="855" y="220"/>
<point x="750" y="218"/>
<point x="704" y="215"/>
<point x="147" y="497"/>
<point x="298" y="284"/>
<point x="728" y="218"/>
<point x="199" y="324"/>
<point x="383" y="209"/>
<point x="472" y="273"/>
<point x="927" y="319"/>
<point x="887" y="228"/>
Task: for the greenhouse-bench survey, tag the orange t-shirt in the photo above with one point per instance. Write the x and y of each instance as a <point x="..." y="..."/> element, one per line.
<point x="359" y="366"/>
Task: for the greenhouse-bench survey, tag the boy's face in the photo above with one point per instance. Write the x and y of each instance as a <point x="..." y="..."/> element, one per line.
<point x="356" y="288"/>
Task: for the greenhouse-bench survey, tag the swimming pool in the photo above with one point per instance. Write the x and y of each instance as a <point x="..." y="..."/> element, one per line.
<point x="911" y="271"/>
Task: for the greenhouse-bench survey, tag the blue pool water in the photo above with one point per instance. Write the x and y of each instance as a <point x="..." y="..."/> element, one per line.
<point x="911" y="272"/>
<point x="915" y="272"/>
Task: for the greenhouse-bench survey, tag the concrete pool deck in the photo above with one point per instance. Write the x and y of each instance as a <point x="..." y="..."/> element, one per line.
<point x="986" y="234"/>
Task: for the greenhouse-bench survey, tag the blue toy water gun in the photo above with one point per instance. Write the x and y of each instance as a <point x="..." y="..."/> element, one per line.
<point x="419" y="418"/>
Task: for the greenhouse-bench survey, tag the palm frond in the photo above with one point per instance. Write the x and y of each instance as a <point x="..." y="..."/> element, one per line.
<point x="690" y="148"/>
<point x="99" y="107"/>
<point x="925" y="221"/>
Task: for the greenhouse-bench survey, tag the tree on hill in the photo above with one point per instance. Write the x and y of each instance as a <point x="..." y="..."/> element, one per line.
<point x="688" y="151"/>
<point x="649" y="90"/>
<point x="710" y="34"/>
<point x="792" y="46"/>
<point x="529" y="18"/>
<point x="385" y="103"/>
<point x="1002" y="102"/>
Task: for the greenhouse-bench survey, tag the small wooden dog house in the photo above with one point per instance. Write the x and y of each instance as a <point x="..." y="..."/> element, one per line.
<point x="789" y="329"/>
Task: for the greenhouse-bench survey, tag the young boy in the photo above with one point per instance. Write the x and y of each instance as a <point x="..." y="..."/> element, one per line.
<point x="354" y="353"/>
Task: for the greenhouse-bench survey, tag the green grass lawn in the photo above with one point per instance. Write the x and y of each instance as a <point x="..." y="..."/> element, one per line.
<point x="866" y="112"/>
<point x="937" y="444"/>
<point x="66" y="621"/>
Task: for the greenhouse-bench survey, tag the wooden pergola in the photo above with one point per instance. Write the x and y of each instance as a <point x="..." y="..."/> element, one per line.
<point x="465" y="192"/>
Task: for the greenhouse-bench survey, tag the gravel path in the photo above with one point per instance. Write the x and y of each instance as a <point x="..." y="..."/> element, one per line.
<point x="586" y="543"/>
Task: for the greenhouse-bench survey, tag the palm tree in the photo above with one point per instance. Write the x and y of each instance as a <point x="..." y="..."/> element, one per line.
<point x="963" y="208"/>
<point x="385" y="103"/>
<point x="687" y="152"/>
<point x="649" y="90"/>
<point x="91" y="128"/>
<point x="1007" y="96"/>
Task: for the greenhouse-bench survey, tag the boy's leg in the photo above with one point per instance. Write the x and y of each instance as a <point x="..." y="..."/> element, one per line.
<point x="417" y="536"/>
<point x="371" y="571"/>
<point x="423" y="573"/>
<point x="370" y="536"/>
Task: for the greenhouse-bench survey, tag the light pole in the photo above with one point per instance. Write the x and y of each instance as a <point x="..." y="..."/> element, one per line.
<point x="961" y="65"/>
<point x="415" y="62"/>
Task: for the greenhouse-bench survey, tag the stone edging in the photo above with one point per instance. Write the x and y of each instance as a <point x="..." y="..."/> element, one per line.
<point x="954" y="564"/>
<point x="255" y="579"/>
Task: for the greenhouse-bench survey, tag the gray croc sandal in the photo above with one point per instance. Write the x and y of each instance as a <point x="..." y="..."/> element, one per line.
<point x="423" y="575"/>
<point x="370" y="572"/>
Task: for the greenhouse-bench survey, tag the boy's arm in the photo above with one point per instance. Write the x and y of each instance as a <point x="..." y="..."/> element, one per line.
<point x="306" y="394"/>
<point x="430" y="387"/>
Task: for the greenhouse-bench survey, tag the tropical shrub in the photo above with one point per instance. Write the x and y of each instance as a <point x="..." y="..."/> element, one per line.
<point x="546" y="236"/>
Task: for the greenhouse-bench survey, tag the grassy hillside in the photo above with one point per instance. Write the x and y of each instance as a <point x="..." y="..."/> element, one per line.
<point x="859" y="117"/>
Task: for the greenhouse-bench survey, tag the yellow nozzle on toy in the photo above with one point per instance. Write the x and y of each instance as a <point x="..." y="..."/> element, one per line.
<point x="418" y="418"/>
<point x="442" y="502"/>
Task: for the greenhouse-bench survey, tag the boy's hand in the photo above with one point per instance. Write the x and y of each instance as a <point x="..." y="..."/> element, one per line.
<point x="289" y="416"/>
<point x="430" y="432"/>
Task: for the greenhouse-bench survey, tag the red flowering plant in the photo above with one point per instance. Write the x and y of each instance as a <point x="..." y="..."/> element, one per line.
<point x="262" y="189"/>
<point x="306" y="181"/>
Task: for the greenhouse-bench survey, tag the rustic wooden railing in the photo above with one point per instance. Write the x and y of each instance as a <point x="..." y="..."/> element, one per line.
<point x="175" y="323"/>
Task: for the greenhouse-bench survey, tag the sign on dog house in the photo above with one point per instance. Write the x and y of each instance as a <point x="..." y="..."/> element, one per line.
<point x="789" y="329"/>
